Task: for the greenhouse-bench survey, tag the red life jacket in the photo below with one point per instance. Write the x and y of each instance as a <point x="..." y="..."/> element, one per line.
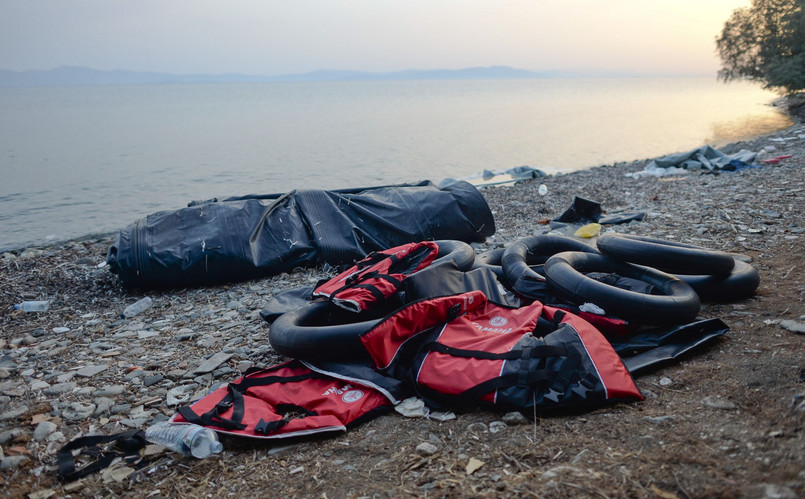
<point x="462" y="350"/>
<point x="286" y="400"/>
<point x="378" y="276"/>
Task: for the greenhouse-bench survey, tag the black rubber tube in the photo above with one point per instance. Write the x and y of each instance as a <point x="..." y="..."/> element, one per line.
<point x="739" y="284"/>
<point x="321" y="331"/>
<point x="458" y="251"/>
<point x="518" y="257"/>
<point x="668" y="256"/>
<point x="491" y="260"/>
<point x="676" y="303"/>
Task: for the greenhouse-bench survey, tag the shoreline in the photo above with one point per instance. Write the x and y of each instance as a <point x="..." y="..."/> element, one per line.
<point x="795" y="111"/>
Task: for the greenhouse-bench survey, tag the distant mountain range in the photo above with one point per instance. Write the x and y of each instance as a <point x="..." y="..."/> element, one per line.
<point x="73" y="75"/>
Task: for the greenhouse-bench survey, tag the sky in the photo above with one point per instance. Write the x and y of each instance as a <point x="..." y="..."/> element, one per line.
<point x="272" y="37"/>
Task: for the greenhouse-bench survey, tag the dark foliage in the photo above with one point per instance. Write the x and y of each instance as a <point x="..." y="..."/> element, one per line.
<point x="765" y="42"/>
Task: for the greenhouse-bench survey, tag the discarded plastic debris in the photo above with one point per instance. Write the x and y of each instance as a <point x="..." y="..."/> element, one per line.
<point x="412" y="408"/>
<point x="136" y="308"/>
<point x="185" y="438"/>
<point x="589" y="230"/>
<point x="33" y="306"/>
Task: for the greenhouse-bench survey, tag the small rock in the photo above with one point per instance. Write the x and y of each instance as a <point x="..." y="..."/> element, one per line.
<point x="110" y="390"/>
<point x="442" y="416"/>
<point x="716" y="403"/>
<point x="14" y="413"/>
<point x="37" y="385"/>
<point x="659" y="419"/>
<point x="102" y="405"/>
<point x="497" y="426"/>
<point x="9" y="435"/>
<point x="426" y="449"/>
<point x="12" y="462"/>
<point x="774" y="491"/>
<point x="90" y="371"/>
<point x="77" y="411"/>
<point x="793" y="326"/>
<point x="477" y="427"/>
<point x="152" y="380"/>
<point x="60" y="330"/>
<point x="665" y="381"/>
<point x="43" y="430"/>
<point x="212" y="363"/>
<point x="514" y="418"/>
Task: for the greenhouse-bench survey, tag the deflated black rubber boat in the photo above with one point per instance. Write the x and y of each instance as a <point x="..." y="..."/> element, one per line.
<point x="257" y="236"/>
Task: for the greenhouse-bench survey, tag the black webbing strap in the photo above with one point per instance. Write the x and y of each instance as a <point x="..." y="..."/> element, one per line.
<point x="541" y="351"/>
<point x="127" y="443"/>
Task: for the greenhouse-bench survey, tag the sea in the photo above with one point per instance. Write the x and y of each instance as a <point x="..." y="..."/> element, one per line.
<point x="81" y="161"/>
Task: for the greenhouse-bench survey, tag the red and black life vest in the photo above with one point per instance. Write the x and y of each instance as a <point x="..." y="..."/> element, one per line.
<point x="461" y="350"/>
<point x="378" y="276"/>
<point x="286" y="400"/>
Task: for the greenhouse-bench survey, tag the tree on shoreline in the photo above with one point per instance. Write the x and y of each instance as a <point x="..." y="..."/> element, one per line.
<point x="765" y="42"/>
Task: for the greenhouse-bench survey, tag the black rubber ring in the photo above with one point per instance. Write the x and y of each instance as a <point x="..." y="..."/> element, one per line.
<point x="739" y="284"/>
<point x="668" y="256"/>
<point x="677" y="302"/>
<point x="518" y="257"/>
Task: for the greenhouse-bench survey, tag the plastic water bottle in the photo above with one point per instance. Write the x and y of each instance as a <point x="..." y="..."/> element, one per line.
<point x="185" y="438"/>
<point x="33" y="306"/>
<point x="136" y="307"/>
<point x="542" y="190"/>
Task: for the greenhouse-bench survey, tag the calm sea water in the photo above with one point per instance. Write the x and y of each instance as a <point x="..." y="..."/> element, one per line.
<point x="86" y="160"/>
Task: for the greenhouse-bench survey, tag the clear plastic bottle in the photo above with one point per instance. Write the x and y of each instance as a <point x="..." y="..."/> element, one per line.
<point x="136" y="307"/>
<point x="185" y="438"/>
<point x="33" y="306"/>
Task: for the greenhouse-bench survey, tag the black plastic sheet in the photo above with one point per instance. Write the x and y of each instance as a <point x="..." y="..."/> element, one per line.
<point x="257" y="236"/>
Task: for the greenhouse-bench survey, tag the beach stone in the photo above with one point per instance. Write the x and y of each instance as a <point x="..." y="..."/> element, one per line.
<point x="59" y="388"/>
<point x="90" y="371"/>
<point x="477" y="427"/>
<point x="665" y="381"/>
<point x="43" y="430"/>
<point x="14" y="413"/>
<point x="212" y="363"/>
<point x="514" y="418"/>
<point x="10" y="434"/>
<point x="77" y="411"/>
<point x="110" y="390"/>
<point x="152" y="380"/>
<point x="793" y="326"/>
<point x="426" y="449"/>
<point x="60" y="330"/>
<point x="13" y="462"/>
<point x="659" y="419"/>
<point x="37" y="385"/>
<point x="716" y="403"/>
<point x="497" y="426"/>
<point x="102" y="405"/>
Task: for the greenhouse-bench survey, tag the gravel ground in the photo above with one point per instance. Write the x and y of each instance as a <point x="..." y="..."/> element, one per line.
<point x="725" y="422"/>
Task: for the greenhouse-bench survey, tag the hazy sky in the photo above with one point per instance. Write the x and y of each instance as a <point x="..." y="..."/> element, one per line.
<point x="271" y="37"/>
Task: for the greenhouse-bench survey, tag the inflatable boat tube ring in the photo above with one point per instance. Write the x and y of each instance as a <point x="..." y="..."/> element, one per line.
<point x="676" y="303"/>
<point x="739" y="284"/>
<point x="532" y="250"/>
<point x="668" y="256"/>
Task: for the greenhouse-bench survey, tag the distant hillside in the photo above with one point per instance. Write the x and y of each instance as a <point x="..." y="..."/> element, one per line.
<point x="73" y="75"/>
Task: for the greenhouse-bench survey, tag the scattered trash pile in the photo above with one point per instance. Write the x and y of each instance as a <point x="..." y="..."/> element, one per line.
<point x="706" y="159"/>
<point x="550" y="322"/>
